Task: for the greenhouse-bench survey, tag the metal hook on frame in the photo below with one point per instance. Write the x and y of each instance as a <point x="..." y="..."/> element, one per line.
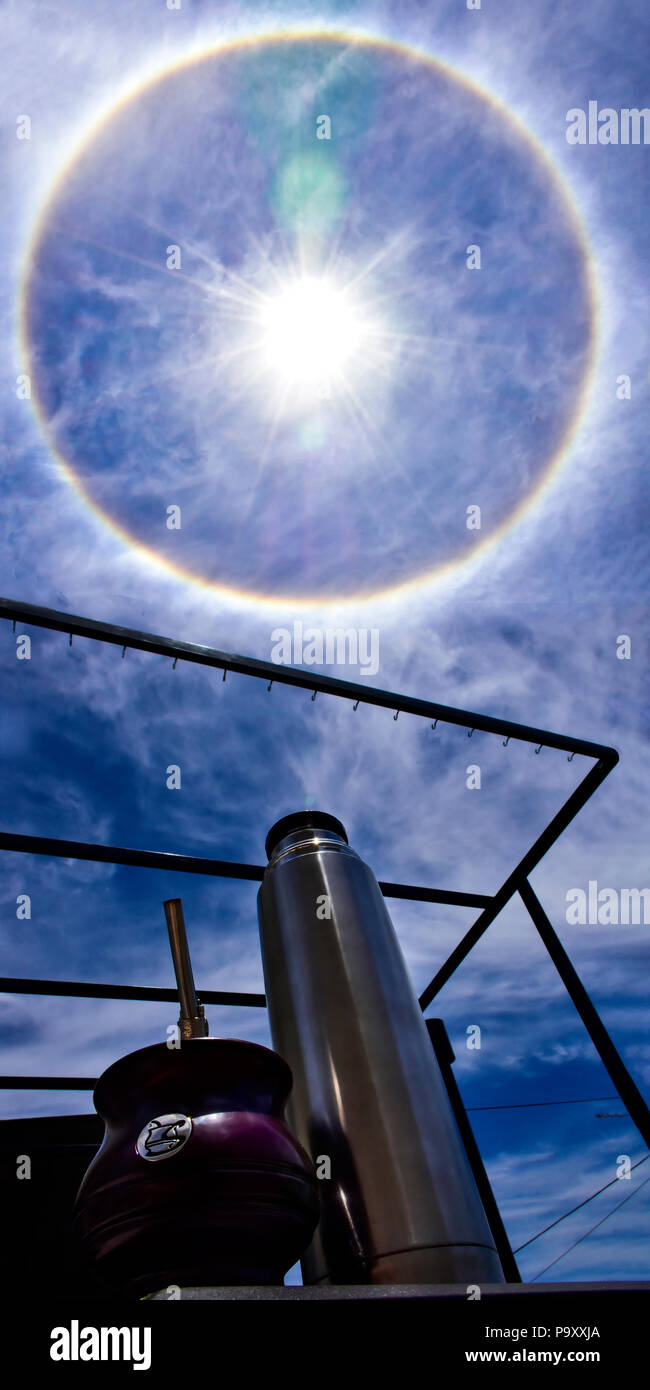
<point x="314" y="696"/>
<point x="13" y="625"/>
<point x="506" y="741"/>
<point x="123" y="653"/>
<point x="357" y="705"/>
<point x="538" y="750"/>
<point x="269" y="685"/>
<point x="396" y="714"/>
<point x="435" y="724"/>
<point x="174" y="665"/>
<point x="224" y="674"/>
<point x="70" y="639"/>
<point x="469" y="733"/>
<point x="571" y="757"/>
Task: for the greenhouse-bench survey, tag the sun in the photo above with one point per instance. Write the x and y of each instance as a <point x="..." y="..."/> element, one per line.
<point x="311" y="332"/>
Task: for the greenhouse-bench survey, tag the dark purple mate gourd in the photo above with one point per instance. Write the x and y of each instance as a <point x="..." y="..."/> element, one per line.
<point x="198" y="1181"/>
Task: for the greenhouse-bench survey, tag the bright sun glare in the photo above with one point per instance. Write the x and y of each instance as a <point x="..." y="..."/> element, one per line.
<point x="311" y="331"/>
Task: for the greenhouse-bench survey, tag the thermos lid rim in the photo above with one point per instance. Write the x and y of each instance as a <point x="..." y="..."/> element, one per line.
<point x="300" y="820"/>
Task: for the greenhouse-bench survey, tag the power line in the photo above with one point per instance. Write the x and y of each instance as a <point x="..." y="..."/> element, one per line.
<point x="577" y="1208"/>
<point x="531" y="1104"/>
<point x="591" y="1228"/>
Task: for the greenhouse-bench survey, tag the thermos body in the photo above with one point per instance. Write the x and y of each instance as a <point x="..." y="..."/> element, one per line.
<point x="401" y="1204"/>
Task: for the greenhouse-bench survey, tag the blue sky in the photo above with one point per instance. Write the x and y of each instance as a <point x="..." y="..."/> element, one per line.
<point x="153" y="387"/>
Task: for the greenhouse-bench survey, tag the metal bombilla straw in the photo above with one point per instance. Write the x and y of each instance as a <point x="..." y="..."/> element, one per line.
<point x="192" y="1022"/>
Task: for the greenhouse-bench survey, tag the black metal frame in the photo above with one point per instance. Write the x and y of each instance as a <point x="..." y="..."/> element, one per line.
<point x="491" y="905"/>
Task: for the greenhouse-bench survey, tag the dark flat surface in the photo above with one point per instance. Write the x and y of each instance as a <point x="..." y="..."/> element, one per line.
<point x="369" y="1293"/>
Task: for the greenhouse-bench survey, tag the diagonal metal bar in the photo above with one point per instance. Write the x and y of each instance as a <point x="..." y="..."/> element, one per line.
<point x="136" y="858"/>
<point x="434" y="895"/>
<point x="520" y="874"/>
<point x="79" y="989"/>
<point x="48" y="1083"/>
<point x="445" y="1056"/>
<point x="126" y="637"/>
<point x="608" y="1053"/>
<point x="217" y="868"/>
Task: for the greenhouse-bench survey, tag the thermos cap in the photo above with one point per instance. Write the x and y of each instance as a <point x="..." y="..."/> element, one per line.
<point x="303" y="820"/>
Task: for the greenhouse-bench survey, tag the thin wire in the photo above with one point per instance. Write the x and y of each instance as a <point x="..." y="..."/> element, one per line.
<point x="591" y="1228"/>
<point x="533" y="1104"/>
<point x="580" y="1204"/>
